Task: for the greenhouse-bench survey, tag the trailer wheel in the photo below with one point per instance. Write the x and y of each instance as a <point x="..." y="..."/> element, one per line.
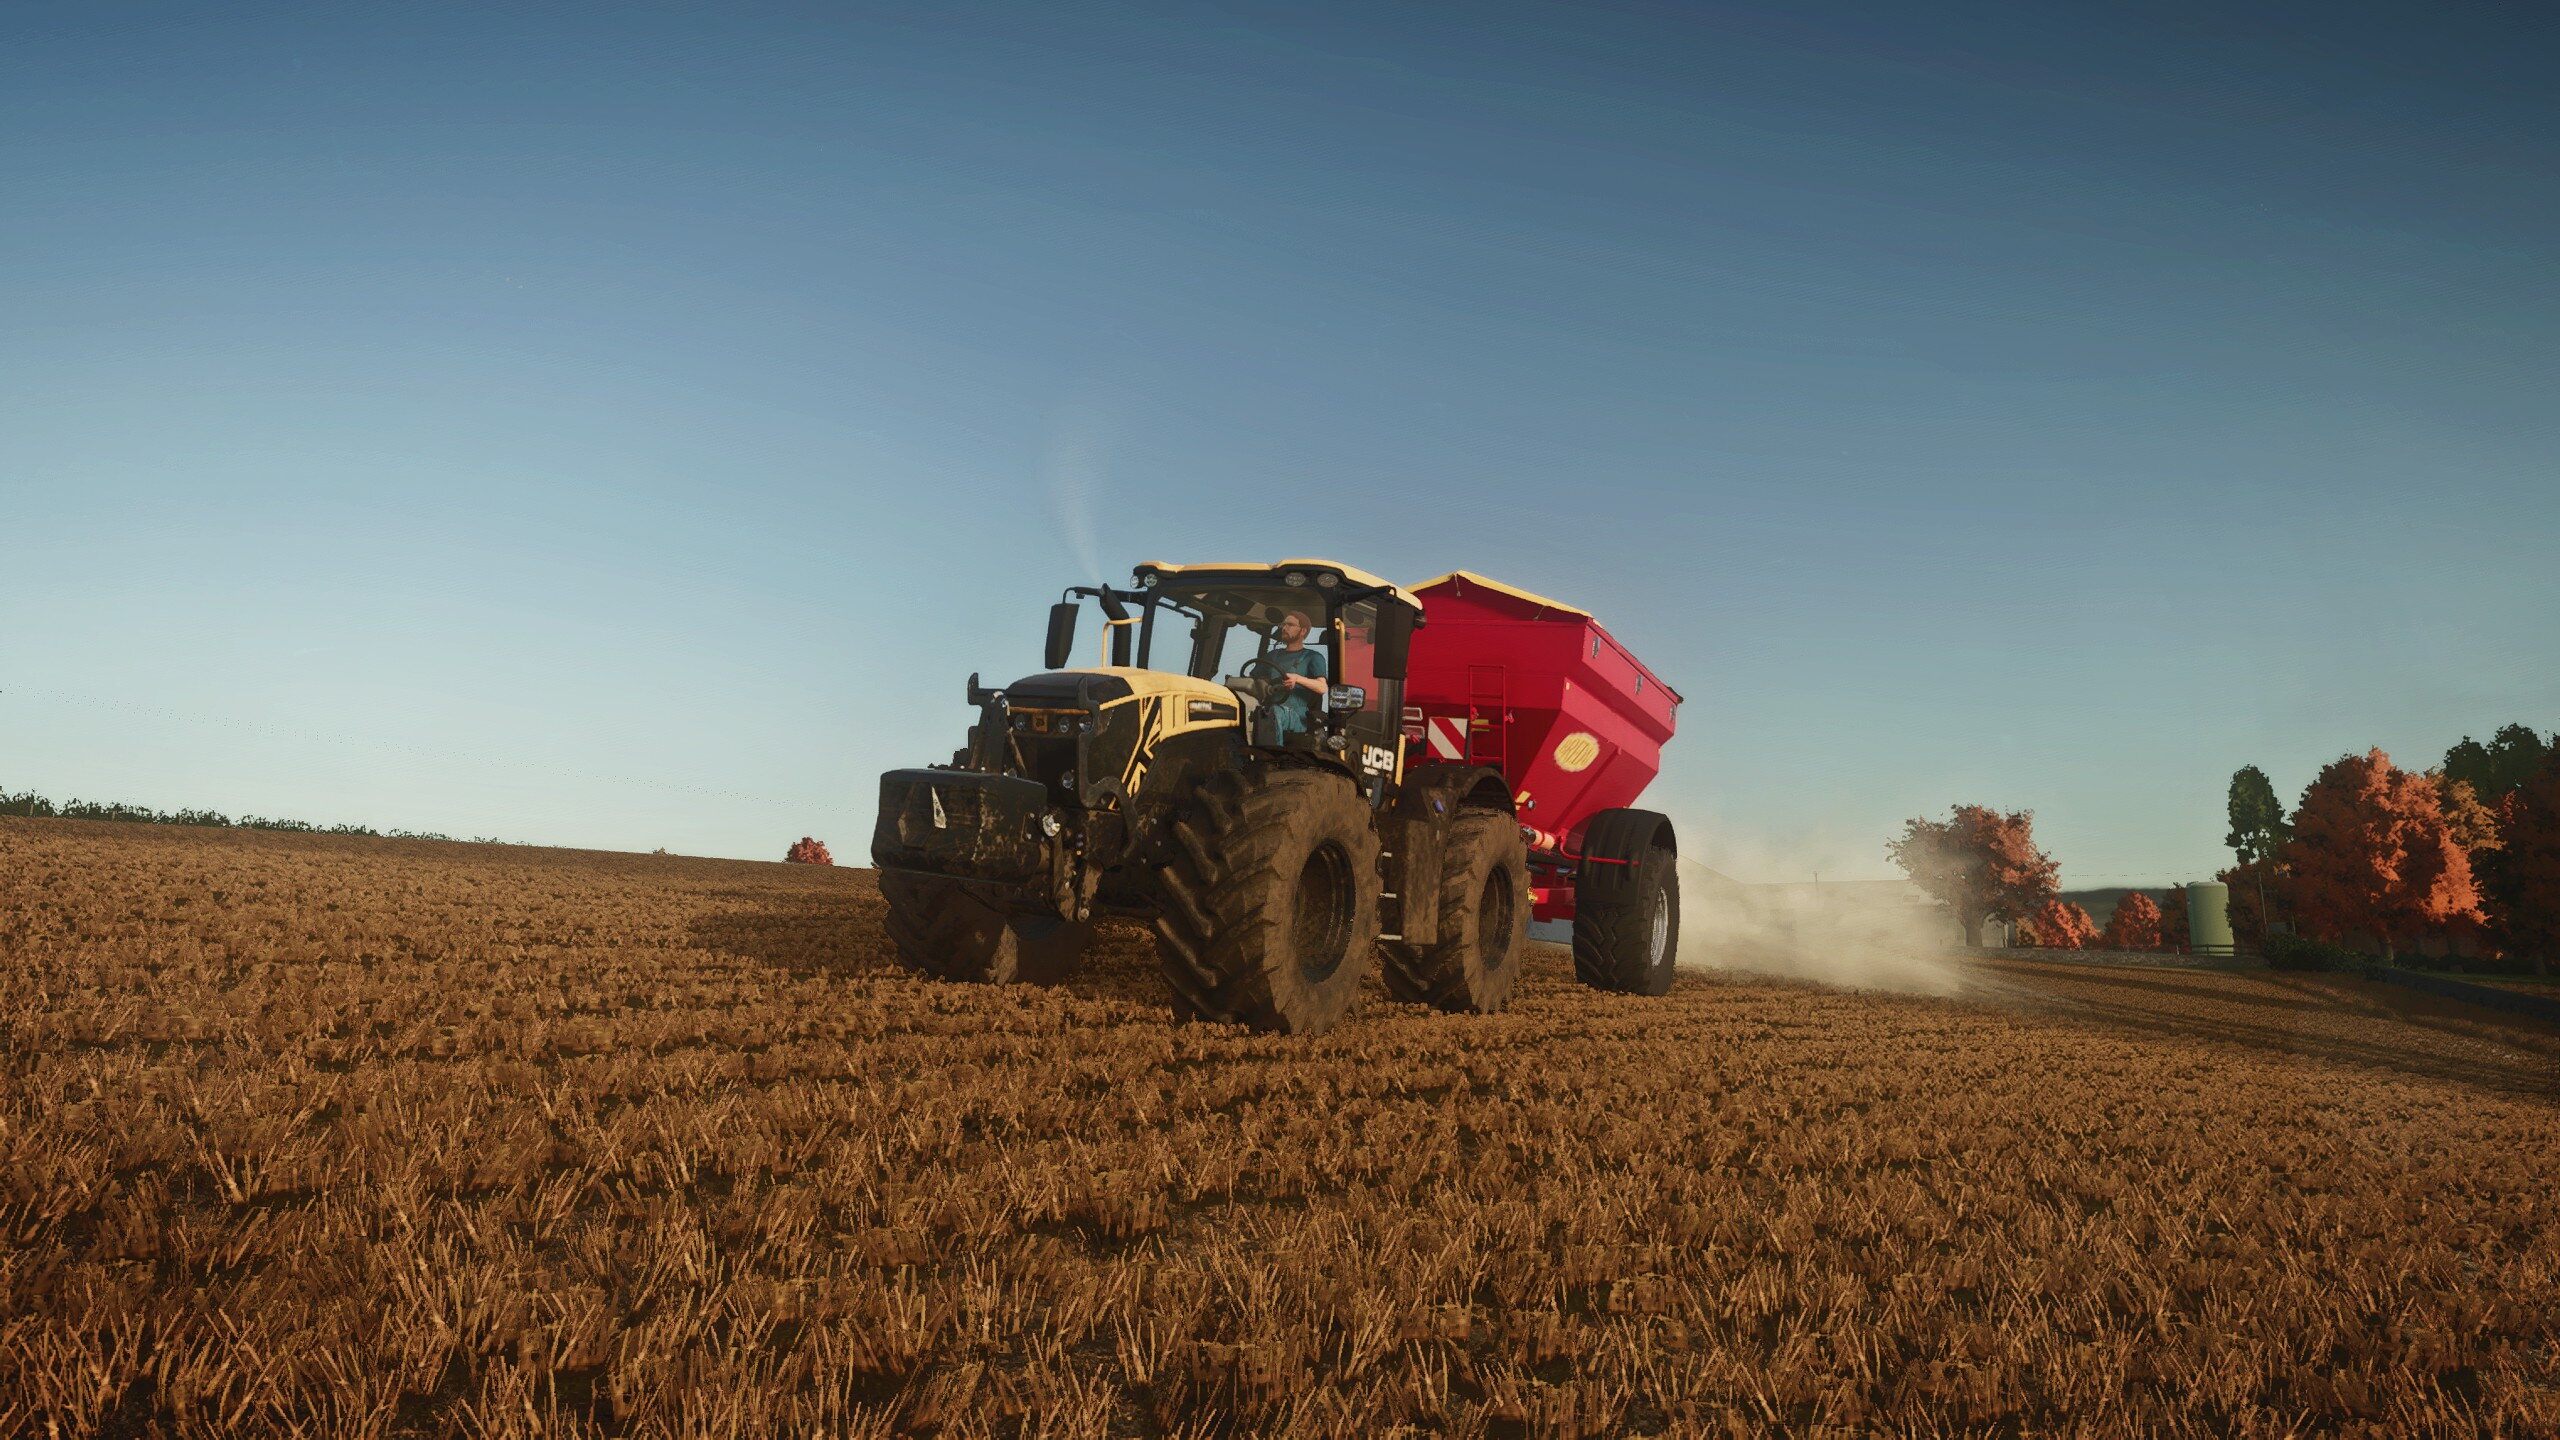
<point x="1484" y="921"/>
<point x="944" y="932"/>
<point x="1626" y="925"/>
<point x="1270" y="901"/>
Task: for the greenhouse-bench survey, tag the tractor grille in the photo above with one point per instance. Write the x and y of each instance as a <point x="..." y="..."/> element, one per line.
<point x="1049" y="762"/>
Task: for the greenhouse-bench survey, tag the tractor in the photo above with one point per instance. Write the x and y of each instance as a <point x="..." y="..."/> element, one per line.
<point x="1297" y="772"/>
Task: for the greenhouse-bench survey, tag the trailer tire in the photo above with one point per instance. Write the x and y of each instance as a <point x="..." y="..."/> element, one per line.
<point x="1626" y="924"/>
<point x="1484" y="921"/>
<point x="1269" y="901"/>
<point x="943" y="931"/>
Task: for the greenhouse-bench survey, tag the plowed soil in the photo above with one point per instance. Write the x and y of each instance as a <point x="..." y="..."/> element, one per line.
<point x="349" y="1137"/>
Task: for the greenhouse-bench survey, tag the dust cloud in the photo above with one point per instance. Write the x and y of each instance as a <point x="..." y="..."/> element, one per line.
<point x="1868" y="936"/>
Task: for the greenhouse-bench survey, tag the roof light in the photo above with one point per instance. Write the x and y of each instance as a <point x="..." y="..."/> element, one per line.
<point x="1328" y="580"/>
<point x="1296" y="577"/>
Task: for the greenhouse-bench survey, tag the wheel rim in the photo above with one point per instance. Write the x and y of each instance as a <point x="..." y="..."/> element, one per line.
<point x="1323" y="922"/>
<point x="1494" y="919"/>
<point x="1661" y="937"/>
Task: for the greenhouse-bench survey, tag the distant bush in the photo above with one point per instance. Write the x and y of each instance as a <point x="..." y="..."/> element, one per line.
<point x="33" y="806"/>
<point x="2294" y="952"/>
<point x="2134" y="924"/>
<point x="2061" y="925"/>
<point x="808" y="852"/>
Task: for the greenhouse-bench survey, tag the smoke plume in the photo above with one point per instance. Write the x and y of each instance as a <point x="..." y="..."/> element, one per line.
<point x="1079" y="439"/>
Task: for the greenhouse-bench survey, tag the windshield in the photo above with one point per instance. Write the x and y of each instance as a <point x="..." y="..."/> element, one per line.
<point x="1216" y="632"/>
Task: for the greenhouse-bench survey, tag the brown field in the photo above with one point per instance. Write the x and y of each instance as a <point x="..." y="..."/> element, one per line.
<point x="347" y="1137"/>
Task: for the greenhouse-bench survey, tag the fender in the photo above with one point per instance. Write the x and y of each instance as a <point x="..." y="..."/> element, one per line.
<point x="1414" y="826"/>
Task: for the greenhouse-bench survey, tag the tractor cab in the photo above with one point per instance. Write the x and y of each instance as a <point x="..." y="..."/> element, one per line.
<point x="1225" y="625"/>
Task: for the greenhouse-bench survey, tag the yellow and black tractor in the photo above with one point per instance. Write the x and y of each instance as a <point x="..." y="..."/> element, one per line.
<point x="1235" y="773"/>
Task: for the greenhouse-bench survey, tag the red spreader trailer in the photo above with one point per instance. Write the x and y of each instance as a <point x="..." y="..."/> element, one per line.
<point x="1542" y="692"/>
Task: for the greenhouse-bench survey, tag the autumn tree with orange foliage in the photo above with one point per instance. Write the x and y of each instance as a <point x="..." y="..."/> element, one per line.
<point x="808" y="852"/>
<point x="1978" y="862"/>
<point x="2373" y="859"/>
<point x="2062" y="925"/>
<point x="2133" y="925"/>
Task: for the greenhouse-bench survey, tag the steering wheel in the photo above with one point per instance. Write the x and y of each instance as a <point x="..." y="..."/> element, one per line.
<point x="1266" y="670"/>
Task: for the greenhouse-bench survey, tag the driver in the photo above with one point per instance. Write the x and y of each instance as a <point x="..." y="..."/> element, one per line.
<point x="1304" y="669"/>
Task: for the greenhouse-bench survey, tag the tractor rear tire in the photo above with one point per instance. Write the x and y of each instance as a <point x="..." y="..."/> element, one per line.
<point x="1627" y="937"/>
<point x="942" y="931"/>
<point x="1484" y="921"/>
<point x="1269" y="901"/>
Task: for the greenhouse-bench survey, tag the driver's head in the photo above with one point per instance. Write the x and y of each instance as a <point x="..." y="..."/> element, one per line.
<point x="1294" y="627"/>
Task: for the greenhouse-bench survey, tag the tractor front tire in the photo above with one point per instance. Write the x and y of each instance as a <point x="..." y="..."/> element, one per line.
<point x="944" y="932"/>
<point x="1269" y="905"/>
<point x="1484" y="921"/>
<point x="1626" y="932"/>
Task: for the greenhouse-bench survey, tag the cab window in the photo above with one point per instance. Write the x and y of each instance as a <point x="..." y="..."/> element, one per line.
<point x="1359" y="628"/>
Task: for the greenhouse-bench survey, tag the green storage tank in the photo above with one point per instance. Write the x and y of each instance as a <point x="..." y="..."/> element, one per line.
<point x="2209" y="918"/>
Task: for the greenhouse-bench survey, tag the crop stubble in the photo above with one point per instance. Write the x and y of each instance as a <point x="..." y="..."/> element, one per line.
<point x="365" y="1137"/>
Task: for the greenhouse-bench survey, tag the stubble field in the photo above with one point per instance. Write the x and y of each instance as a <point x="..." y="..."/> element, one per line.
<point x="350" y="1137"/>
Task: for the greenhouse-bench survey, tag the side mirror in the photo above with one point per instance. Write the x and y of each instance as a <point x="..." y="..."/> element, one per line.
<point x="1345" y="699"/>
<point x="1062" y="635"/>
<point x="1393" y="638"/>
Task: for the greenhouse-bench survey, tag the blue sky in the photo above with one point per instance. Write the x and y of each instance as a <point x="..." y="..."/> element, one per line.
<point x="629" y="426"/>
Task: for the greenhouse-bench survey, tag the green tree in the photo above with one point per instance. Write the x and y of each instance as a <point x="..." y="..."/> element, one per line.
<point x="2521" y="879"/>
<point x="2494" y="771"/>
<point x="2258" y="830"/>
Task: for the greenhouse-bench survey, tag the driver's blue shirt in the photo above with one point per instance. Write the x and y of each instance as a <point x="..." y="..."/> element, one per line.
<point x="1291" y="711"/>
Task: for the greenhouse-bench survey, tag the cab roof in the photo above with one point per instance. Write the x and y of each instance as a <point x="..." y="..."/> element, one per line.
<point x="1352" y="574"/>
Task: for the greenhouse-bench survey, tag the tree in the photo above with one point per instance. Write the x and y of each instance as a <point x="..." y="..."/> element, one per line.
<point x="2258" y="830"/>
<point x="2522" y="877"/>
<point x="2061" y="925"/>
<point x="808" y="852"/>
<point x="2474" y="825"/>
<point x="2494" y="771"/>
<point x="2134" y="924"/>
<point x="2372" y="857"/>
<point x="2173" y="918"/>
<point x="2259" y="892"/>
<point x="1979" y="863"/>
<point x="2258" y="833"/>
